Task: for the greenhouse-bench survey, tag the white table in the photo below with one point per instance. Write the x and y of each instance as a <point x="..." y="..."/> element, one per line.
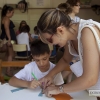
<point x="27" y="94"/>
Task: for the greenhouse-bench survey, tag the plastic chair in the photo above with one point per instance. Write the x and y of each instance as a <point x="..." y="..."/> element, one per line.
<point x="20" y="48"/>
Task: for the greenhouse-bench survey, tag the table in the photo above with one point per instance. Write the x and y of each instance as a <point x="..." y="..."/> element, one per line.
<point x="8" y="92"/>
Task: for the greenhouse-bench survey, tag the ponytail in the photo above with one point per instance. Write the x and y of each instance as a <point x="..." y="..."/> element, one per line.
<point x="51" y="19"/>
<point x="5" y="9"/>
<point x="65" y="7"/>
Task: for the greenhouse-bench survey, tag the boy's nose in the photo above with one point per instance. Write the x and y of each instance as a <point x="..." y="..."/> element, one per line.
<point x="41" y="63"/>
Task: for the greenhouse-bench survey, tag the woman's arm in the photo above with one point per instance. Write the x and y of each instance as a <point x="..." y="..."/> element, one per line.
<point x="63" y="63"/>
<point x="90" y="64"/>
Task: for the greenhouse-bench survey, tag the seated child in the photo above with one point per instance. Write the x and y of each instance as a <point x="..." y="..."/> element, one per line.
<point x="22" y="23"/>
<point x="39" y="67"/>
<point x="24" y="38"/>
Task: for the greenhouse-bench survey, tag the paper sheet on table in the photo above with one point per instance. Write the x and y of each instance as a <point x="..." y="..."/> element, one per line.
<point x="25" y="94"/>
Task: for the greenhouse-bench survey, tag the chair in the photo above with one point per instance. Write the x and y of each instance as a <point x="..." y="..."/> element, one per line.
<point x="10" y="64"/>
<point x="20" y="48"/>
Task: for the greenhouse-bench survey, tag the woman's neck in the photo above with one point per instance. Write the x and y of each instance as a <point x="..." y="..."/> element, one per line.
<point x="73" y="29"/>
<point x="72" y="15"/>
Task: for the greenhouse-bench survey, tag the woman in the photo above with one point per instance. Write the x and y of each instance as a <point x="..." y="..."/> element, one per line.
<point x="55" y="27"/>
<point x="8" y="32"/>
<point x="71" y="7"/>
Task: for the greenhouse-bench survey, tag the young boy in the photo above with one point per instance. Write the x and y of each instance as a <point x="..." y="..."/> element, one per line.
<point x="39" y="67"/>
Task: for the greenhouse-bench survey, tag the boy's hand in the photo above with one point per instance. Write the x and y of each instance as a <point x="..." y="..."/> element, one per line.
<point x="34" y="84"/>
<point x="46" y="81"/>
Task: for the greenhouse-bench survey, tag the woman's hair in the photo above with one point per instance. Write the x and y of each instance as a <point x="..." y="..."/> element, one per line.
<point x="21" y="23"/>
<point x="39" y="48"/>
<point x="72" y="2"/>
<point x="51" y="19"/>
<point x="67" y="7"/>
<point x="25" y="28"/>
<point x="5" y="9"/>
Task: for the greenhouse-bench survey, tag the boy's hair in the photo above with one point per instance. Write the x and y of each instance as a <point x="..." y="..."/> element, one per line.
<point x="25" y="28"/>
<point x="35" y="30"/>
<point x="39" y="48"/>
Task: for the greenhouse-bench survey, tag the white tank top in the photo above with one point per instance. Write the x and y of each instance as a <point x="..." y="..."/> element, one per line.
<point x="78" y="70"/>
<point x="23" y="38"/>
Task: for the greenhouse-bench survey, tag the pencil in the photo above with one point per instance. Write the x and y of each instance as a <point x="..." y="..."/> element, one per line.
<point x="34" y="76"/>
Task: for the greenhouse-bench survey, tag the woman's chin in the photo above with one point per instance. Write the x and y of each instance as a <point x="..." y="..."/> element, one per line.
<point x="61" y="45"/>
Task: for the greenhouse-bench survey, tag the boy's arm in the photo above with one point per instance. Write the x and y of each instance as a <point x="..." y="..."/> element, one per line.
<point x="18" y="82"/>
<point x="23" y="83"/>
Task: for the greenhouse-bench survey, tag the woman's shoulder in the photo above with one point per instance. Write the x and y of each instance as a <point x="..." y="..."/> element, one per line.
<point x="5" y="19"/>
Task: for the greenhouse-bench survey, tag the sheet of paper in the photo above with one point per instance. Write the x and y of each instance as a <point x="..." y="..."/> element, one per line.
<point x="24" y="94"/>
<point x="28" y="94"/>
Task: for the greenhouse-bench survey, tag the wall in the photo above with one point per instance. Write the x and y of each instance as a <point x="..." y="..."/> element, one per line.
<point x="89" y="13"/>
<point x="33" y="15"/>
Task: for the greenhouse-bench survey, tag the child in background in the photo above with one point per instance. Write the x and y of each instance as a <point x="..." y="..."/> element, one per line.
<point x="24" y="38"/>
<point x="34" y="35"/>
<point x="22" y="23"/>
<point x="39" y="67"/>
<point x="71" y="7"/>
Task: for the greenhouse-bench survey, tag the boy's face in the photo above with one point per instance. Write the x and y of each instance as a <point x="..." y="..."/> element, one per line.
<point x="42" y="62"/>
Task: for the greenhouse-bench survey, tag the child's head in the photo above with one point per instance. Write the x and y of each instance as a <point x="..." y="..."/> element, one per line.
<point x="25" y="29"/>
<point x="40" y="53"/>
<point x="22" y="23"/>
<point x="35" y="30"/>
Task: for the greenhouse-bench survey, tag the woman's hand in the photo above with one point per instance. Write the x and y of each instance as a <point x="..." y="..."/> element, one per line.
<point x="46" y="81"/>
<point x="34" y="84"/>
<point x="51" y="90"/>
<point x="9" y="43"/>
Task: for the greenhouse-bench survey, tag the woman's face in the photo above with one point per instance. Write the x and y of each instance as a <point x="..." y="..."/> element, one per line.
<point x="76" y="8"/>
<point x="23" y="24"/>
<point x="10" y="13"/>
<point x="59" y="38"/>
